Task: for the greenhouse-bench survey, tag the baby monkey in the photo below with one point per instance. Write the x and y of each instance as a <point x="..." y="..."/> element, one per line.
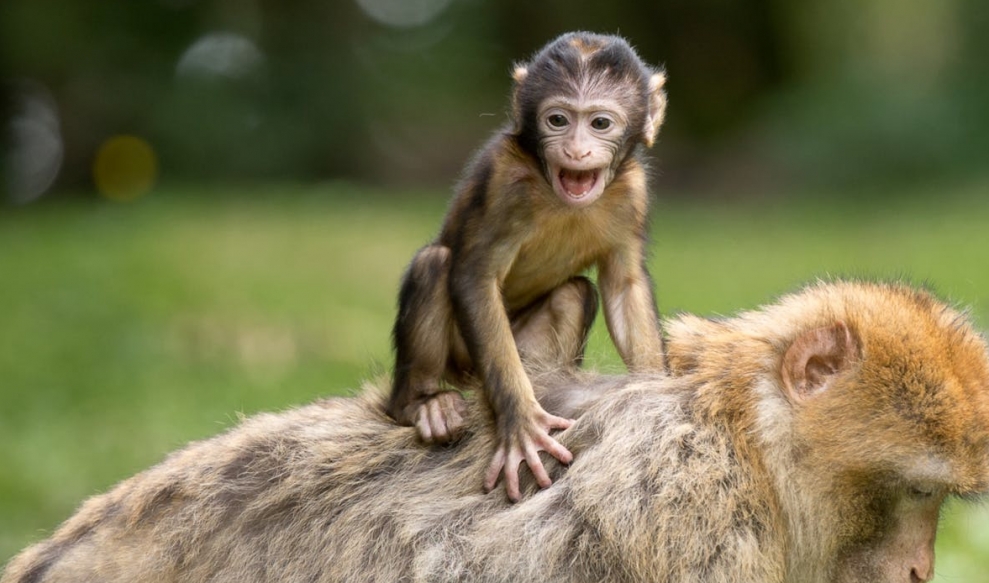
<point x="558" y="190"/>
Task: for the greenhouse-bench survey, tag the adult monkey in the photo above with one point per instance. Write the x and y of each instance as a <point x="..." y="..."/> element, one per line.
<point x="557" y="191"/>
<point x="812" y="441"/>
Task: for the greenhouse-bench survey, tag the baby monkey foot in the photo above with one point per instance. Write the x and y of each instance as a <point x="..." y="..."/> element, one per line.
<point x="441" y="418"/>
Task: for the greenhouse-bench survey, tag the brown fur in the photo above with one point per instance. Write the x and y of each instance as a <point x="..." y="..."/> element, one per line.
<point x="721" y="473"/>
<point x="512" y="240"/>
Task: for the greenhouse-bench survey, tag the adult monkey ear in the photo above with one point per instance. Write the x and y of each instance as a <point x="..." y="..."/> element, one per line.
<point x="815" y="358"/>
<point x="657" y="108"/>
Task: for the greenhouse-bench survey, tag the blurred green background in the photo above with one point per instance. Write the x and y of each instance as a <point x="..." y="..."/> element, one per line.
<point x="207" y="204"/>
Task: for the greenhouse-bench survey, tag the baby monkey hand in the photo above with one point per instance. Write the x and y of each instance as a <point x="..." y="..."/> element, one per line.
<point x="524" y="441"/>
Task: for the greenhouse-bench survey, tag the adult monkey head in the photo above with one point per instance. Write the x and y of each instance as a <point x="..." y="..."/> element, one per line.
<point x="581" y="106"/>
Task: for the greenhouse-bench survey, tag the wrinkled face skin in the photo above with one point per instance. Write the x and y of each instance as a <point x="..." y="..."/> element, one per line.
<point x="580" y="142"/>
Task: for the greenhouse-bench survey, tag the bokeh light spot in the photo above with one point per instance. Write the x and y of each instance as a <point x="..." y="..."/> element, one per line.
<point x="35" y="149"/>
<point x="403" y="13"/>
<point x="125" y="168"/>
<point x="221" y="54"/>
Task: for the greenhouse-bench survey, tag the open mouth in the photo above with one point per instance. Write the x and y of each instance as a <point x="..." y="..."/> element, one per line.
<point x="578" y="187"/>
<point x="578" y="183"/>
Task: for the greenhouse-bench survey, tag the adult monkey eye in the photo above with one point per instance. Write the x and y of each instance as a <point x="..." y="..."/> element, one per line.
<point x="600" y="123"/>
<point x="921" y="492"/>
<point x="558" y="121"/>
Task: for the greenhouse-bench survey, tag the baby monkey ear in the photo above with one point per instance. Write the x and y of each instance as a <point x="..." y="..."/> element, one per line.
<point x="519" y="73"/>
<point x="657" y="108"/>
<point x="815" y="358"/>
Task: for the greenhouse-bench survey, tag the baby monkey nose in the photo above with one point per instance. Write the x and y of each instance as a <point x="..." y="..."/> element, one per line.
<point x="576" y="154"/>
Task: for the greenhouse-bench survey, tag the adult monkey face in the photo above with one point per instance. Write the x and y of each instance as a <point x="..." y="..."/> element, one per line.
<point x="581" y="106"/>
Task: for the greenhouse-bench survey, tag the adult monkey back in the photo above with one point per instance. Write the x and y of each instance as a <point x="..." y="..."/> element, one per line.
<point x="559" y="190"/>
<point x="812" y="441"/>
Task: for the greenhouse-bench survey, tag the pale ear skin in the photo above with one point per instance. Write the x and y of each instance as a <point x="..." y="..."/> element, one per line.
<point x="657" y="108"/>
<point x="519" y="73"/>
<point x="814" y="359"/>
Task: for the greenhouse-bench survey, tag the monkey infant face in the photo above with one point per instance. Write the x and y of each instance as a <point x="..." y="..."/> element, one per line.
<point x="580" y="141"/>
<point x="581" y="107"/>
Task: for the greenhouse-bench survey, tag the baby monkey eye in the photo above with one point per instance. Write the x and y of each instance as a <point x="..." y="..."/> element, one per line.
<point x="600" y="123"/>
<point x="558" y="121"/>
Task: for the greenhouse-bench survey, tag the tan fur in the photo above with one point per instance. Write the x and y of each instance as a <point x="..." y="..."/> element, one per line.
<point x="711" y="475"/>
<point x="586" y="46"/>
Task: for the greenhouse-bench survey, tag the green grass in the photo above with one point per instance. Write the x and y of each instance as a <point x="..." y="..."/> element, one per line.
<point x="128" y="330"/>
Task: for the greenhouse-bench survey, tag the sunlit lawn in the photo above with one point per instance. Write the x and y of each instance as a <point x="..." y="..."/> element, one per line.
<point x="128" y="330"/>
